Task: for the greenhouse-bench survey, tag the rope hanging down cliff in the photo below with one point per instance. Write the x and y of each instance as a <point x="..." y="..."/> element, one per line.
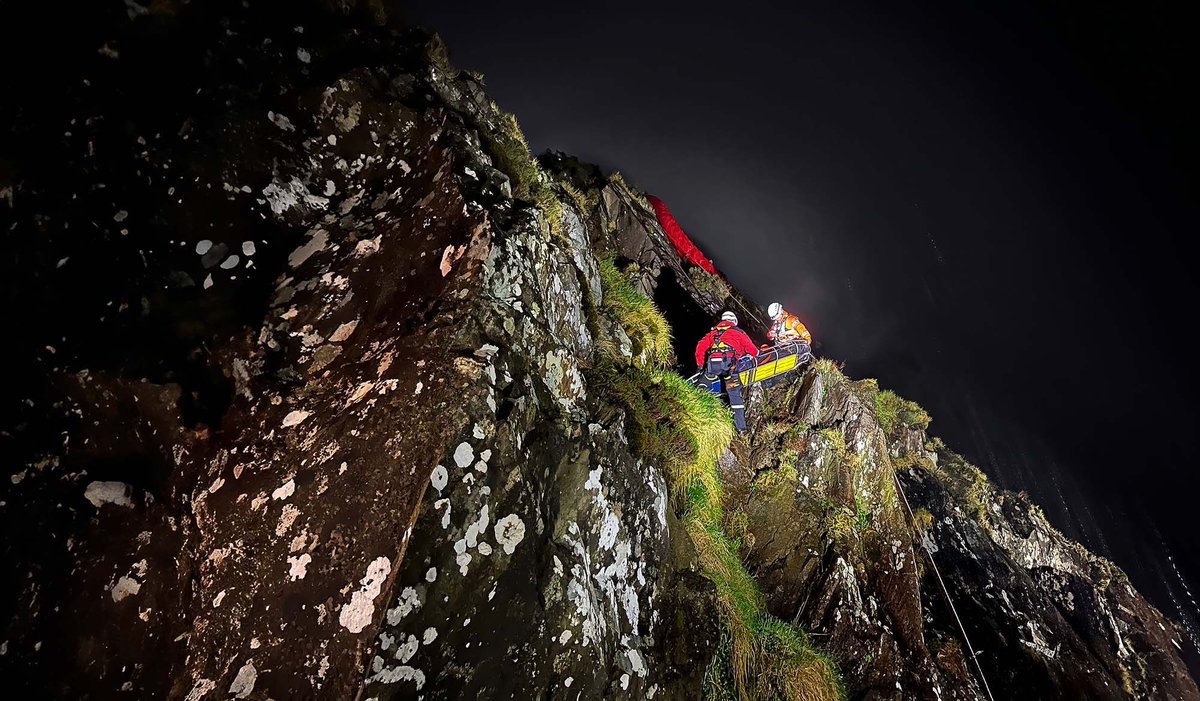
<point x="945" y="592"/>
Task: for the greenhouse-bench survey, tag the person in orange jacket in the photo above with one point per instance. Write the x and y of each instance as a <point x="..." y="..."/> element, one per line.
<point x="786" y="327"/>
<point x="720" y="355"/>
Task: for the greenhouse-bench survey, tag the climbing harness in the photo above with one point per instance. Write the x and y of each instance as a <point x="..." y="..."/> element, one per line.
<point x="719" y="353"/>
<point x="945" y="592"/>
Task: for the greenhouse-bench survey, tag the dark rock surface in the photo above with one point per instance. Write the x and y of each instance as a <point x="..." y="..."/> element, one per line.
<point x="301" y="410"/>
<point x="339" y="381"/>
<point x="831" y="540"/>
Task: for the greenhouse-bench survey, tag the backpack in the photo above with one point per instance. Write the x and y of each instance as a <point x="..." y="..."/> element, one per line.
<point x="720" y="354"/>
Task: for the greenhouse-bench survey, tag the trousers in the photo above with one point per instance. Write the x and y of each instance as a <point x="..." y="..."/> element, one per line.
<point x="722" y="373"/>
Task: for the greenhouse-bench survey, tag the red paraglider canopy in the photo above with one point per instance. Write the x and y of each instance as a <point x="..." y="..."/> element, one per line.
<point x="683" y="244"/>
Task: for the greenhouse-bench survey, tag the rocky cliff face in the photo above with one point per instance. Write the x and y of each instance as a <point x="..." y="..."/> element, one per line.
<point x="326" y="392"/>
<point x="849" y="506"/>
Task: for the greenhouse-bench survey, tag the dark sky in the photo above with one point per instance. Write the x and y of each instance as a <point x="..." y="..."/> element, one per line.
<point x="984" y="205"/>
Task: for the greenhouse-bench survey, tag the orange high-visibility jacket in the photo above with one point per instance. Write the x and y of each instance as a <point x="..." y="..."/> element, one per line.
<point x="789" y="328"/>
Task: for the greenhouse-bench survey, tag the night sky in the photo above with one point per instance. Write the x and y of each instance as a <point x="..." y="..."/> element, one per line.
<point x="984" y="205"/>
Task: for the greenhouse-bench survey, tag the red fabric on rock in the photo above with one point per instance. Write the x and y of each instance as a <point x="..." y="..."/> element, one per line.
<point x="683" y="245"/>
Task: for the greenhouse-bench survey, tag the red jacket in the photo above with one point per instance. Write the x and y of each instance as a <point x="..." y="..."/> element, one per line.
<point x="742" y="345"/>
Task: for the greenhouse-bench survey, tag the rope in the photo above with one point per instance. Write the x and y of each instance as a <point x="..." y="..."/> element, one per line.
<point x="945" y="592"/>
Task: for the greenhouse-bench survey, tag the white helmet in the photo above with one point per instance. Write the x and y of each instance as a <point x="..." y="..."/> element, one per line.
<point x="775" y="310"/>
<point x="729" y="316"/>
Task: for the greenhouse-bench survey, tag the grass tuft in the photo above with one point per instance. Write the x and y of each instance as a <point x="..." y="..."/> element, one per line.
<point x="510" y="152"/>
<point x="438" y="55"/>
<point x="645" y="325"/>
<point x="709" y="284"/>
<point x="798" y="672"/>
<point x="894" y="411"/>
<point x="825" y="366"/>
<point x="585" y="202"/>
<point x="922" y="520"/>
<point x="618" y="181"/>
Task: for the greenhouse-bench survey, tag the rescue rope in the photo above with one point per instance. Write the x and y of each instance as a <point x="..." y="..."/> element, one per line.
<point x="945" y="592"/>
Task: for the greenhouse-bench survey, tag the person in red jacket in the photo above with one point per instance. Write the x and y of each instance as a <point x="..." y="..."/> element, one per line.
<point x="720" y="355"/>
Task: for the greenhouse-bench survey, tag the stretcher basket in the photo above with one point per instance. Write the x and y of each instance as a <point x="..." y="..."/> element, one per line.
<point x="775" y="362"/>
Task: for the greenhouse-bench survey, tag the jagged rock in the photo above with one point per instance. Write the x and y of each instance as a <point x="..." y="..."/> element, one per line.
<point x="832" y="542"/>
<point x="395" y="432"/>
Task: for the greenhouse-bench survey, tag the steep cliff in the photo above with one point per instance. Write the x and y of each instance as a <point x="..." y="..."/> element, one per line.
<point x="329" y="389"/>
<point x="862" y="528"/>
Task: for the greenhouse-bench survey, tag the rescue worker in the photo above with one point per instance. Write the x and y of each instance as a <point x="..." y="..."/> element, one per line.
<point x="785" y="327"/>
<point x="789" y="335"/>
<point x="721" y="354"/>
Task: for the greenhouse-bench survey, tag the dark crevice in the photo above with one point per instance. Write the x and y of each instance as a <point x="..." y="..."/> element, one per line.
<point x="688" y="319"/>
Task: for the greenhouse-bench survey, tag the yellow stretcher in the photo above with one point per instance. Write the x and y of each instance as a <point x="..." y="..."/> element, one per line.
<point x="774" y="362"/>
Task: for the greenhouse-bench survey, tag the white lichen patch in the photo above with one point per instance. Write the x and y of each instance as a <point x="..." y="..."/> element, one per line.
<point x="365" y="247"/>
<point x="562" y="378"/>
<point x="115" y="493"/>
<point x="593" y="480"/>
<point x="343" y="332"/>
<point x="609" y="530"/>
<point x="243" y="682"/>
<point x="295" y="417"/>
<point x="510" y="531"/>
<point x="449" y="257"/>
<point x="362" y="390"/>
<point x="635" y="661"/>
<point x="125" y="586"/>
<point x="357" y="614"/>
<point x="298" y="566"/>
<point x="438" y="479"/>
<point x="405" y="652"/>
<point x="429" y="636"/>
<point x="286" y="490"/>
<point x="317" y="243"/>
<point x="479" y="527"/>
<point x="286" y="519"/>
<point x="464" y="454"/>
<point x="446" y="516"/>
<point x="283" y="196"/>
<point x="409" y="602"/>
<point x="400" y="674"/>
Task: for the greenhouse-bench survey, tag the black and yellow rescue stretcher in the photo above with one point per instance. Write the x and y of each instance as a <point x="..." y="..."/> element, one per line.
<point x="775" y="362"/>
<point x="772" y="364"/>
